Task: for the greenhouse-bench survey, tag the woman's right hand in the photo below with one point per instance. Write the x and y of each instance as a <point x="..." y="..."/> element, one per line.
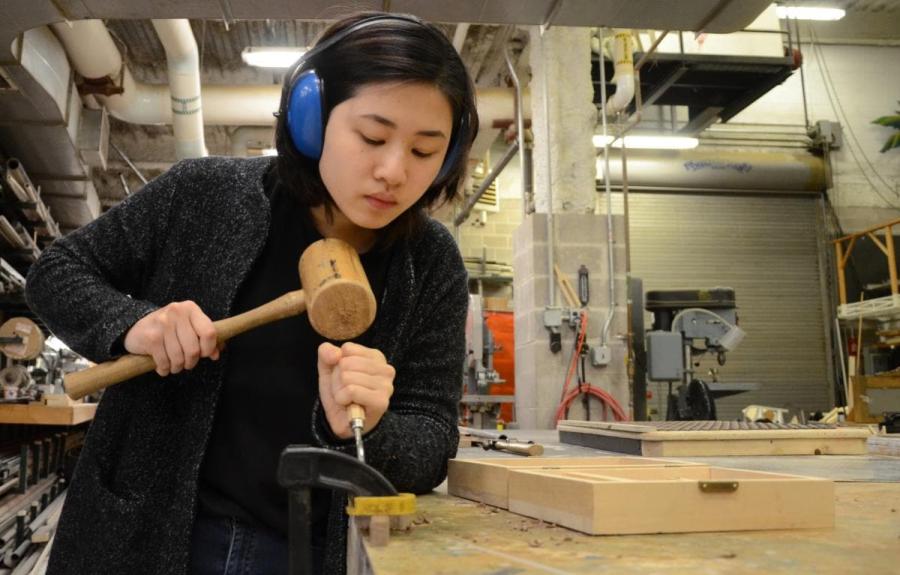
<point x="176" y="336"/>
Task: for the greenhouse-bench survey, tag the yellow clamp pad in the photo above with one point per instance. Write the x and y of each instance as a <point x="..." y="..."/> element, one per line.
<point x="400" y="504"/>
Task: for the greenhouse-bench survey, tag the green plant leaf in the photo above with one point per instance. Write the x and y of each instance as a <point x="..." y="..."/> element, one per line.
<point x="893" y="142"/>
<point x="890" y="121"/>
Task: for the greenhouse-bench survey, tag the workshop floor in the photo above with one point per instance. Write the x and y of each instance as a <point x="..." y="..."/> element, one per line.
<point x="455" y="536"/>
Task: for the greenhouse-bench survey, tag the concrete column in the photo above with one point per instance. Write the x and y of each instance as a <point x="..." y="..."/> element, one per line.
<point x="561" y="71"/>
<point x="561" y="60"/>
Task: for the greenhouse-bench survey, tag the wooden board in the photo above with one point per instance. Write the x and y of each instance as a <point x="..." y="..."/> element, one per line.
<point x="486" y="480"/>
<point x="38" y="414"/>
<point x="619" y="497"/>
<point x="694" y="439"/>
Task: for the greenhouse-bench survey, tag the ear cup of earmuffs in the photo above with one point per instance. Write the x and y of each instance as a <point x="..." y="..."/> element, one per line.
<point x="304" y="115"/>
<point x="306" y="104"/>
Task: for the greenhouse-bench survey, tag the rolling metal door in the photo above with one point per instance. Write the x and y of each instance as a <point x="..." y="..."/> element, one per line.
<point x="766" y="248"/>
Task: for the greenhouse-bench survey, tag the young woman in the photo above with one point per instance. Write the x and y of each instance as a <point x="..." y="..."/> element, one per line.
<point x="178" y="472"/>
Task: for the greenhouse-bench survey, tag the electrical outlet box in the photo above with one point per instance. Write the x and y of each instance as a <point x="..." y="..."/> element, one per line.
<point x="601" y="355"/>
<point x="553" y="317"/>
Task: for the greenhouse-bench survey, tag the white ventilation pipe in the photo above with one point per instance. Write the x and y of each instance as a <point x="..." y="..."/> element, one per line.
<point x="183" y="61"/>
<point x="94" y="54"/>
<point x="623" y="58"/>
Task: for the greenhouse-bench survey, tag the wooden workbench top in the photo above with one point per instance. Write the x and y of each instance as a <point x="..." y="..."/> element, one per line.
<point x="40" y="414"/>
<point x="455" y="536"/>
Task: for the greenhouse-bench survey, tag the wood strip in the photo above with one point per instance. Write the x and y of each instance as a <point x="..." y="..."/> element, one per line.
<point x="635" y="427"/>
<point x="754" y="447"/>
<point x="39" y="414"/>
<point x="730" y="434"/>
<point x="848" y="252"/>
<point x="842" y="280"/>
<point x="565" y="287"/>
<point x="721" y="443"/>
<point x="892" y="261"/>
<point x="878" y="243"/>
<point x="872" y="229"/>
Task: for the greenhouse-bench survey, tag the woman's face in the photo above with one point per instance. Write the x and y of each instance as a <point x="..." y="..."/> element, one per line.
<point x="383" y="149"/>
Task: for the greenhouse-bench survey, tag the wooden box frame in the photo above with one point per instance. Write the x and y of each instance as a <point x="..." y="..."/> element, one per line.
<point x="629" y="495"/>
<point x="487" y="480"/>
<point x="620" y="501"/>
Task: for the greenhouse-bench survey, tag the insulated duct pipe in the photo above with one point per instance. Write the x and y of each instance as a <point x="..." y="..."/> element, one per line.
<point x="183" y="61"/>
<point x="94" y="54"/>
<point x="623" y="58"/>
<point x="717" y="170"/>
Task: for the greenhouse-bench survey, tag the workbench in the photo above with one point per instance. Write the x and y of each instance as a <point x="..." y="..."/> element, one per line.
<point x="456" y="536"/>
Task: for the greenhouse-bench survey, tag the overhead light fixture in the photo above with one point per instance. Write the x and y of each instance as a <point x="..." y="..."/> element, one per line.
<point x="273" y="57"/>
<point x="647" y="142"/>
<point x="809" y="12"/>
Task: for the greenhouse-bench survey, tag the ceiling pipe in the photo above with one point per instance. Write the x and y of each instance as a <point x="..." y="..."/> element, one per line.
<point x="623" y="58"/>
<point x="459" y="36"/>
<point x="94" y="55"/>
<point x="183" y="61"/>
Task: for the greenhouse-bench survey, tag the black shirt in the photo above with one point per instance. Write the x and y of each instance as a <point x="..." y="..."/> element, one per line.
<point x="271" y="382"/>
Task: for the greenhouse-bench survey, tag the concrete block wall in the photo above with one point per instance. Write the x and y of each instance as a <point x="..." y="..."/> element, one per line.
<point x="492" y="234"/>
<point x="489" y="234"/>
<point x="540" y="374"/>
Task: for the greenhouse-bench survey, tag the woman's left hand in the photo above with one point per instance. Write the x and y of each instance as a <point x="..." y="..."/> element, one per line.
<point x="355" y="374"/>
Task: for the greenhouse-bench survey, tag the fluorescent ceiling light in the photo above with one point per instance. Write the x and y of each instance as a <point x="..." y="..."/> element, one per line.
<point x="648" y="142"/>
<point x="809" y="12"/>
<point x="271" y="57"/>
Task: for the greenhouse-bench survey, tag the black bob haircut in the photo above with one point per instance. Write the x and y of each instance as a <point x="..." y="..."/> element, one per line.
<point x="386" y="51"/>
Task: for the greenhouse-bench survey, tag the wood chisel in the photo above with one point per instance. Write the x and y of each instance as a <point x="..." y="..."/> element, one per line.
<point x="357" y="421"/>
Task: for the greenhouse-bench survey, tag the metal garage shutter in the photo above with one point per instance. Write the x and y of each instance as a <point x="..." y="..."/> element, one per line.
<point x="766" y="248"/>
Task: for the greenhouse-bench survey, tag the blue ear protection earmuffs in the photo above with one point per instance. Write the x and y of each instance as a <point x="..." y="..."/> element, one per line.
<point x="305" y="116"/>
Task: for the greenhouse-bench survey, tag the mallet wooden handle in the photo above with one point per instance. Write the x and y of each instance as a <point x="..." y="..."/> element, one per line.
<point x="82" y="383"/>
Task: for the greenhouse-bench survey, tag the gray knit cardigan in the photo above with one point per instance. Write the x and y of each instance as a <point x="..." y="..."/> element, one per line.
<point x="193" y="234"/>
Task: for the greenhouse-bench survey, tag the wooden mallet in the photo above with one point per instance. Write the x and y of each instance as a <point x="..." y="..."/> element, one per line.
<point x="21" y="338"/>
<point x="336" y="294"/>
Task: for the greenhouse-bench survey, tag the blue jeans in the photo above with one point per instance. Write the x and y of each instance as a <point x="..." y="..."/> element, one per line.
<point x="227" y="546"/>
